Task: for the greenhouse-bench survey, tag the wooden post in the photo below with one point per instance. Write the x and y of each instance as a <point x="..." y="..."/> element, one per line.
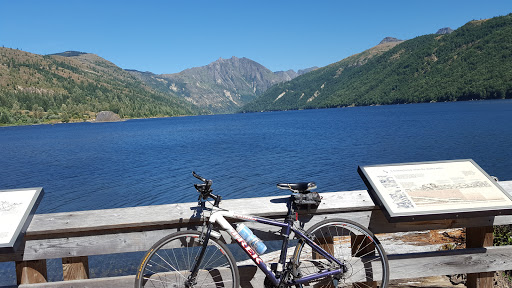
<point x="75" y="268"/>
<point x="327" y="243"/>
<point x="30" y="272"/>
<point x="362" y="246"/>
<point x="478" y="237"/>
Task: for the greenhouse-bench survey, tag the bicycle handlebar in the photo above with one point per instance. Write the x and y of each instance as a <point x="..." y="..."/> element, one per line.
<point x="198" y="177"/>
<point x="205" y="190"/>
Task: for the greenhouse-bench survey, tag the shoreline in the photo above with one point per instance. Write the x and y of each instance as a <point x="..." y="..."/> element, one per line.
<point x="239" y="112"/>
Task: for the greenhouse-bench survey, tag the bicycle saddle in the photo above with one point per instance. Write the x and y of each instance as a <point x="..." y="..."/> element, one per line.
<point x="301" y="187"/>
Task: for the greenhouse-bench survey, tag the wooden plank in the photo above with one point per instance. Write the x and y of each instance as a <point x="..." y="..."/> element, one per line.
<point x="142" y="241"/>
<point x="250" y="276"/>
<point x="327" y="243"/>
<point x="148" y="216"/>
<point x="44" y="225"/>
<point x="86" y="245"/>
<point x="377" y="222"/>
<point x="111" y="282"/>
<point x="507" y="185"/>
<point x="81" y="221"/>
<point x="131" y="241"/>
<point x="28" y="272"/>
<point x="450" y="262"/>
<point x="75" y="268"/>
<point x="404" y="266"/>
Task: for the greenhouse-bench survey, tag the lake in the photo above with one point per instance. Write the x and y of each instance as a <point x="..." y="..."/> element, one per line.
<point x="84" y="166"/>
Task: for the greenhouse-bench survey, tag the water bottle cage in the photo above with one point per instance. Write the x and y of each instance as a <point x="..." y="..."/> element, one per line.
<point x="306" y="201"/>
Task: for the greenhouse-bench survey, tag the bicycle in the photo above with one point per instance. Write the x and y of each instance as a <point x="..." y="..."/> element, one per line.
<point x="331" y="253"/>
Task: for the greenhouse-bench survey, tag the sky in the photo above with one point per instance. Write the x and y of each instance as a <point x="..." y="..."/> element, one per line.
<point x="169" y="36"/>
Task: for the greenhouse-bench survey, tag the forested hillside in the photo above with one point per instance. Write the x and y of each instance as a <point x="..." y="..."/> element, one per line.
<point x="74" y="86"/>
<point x="473" y="62"/>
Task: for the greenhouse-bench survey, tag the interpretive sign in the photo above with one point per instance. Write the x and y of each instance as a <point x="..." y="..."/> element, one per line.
<point x="17" y="206"/>
<point x="435" y="190"/>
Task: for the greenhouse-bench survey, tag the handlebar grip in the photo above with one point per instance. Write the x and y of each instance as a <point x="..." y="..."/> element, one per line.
<point x="198" y="177"/>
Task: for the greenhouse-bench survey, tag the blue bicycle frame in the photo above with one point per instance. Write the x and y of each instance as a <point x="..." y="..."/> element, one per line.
<point x="219" y="217"/>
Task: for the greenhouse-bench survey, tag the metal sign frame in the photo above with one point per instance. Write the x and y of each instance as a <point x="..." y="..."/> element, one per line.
<point x="17" y="207"/>
<point x="435" y="190"/>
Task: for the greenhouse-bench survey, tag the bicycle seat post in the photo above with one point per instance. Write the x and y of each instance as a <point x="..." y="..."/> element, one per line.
<point x="290" y="216"/>
<point x="285" y="232"/>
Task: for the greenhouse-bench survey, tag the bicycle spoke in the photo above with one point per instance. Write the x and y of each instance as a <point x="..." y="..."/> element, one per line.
<point x="177" y="271"/>
<point x="173" y="257"/>
<point x="353" y="246"/>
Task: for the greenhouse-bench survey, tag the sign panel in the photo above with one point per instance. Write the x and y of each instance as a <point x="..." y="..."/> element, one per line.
<point x="435" y="190"/>
<point x="17" y="207"/>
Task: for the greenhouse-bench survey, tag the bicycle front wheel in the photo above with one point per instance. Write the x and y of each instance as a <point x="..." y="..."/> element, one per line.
<point x="363" y="259"/>
<point x="170" y="261"/>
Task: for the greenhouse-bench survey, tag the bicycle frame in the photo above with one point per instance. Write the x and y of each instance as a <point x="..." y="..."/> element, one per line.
<point x="219" y="217"/>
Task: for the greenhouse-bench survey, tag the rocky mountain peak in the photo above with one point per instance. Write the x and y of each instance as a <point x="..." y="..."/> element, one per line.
<point x="69" y="54"/>
<point x="223" y="86"/>
<point x="446" y="30"/>
<point x="389" y="39"/>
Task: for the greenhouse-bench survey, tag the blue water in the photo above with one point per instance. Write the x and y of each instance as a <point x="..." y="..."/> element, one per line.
<point x="88" y="166"/>
<point x="85" y="166"/>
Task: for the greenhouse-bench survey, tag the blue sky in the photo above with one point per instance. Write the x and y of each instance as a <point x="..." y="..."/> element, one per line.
<point x="170" y="36"/>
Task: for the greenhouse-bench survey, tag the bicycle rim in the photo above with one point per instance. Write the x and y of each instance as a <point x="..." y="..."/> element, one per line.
<point x="169" y="262"/>
<point x="365" y="260"/>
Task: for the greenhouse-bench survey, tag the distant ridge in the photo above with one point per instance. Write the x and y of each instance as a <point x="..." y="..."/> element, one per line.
<point x="75" y="86"/>
<point x="389" y="40"/>
<point x="446" y="30"/>
<point x="68" y="54"/>
<point x="470" y="63"/>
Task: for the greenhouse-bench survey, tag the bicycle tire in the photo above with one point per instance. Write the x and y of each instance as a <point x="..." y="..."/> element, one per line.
<point x="169" y="261"/>
<point x="352" y="244"/>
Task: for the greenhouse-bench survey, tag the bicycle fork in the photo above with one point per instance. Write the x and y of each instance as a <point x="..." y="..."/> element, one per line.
<point x="205" y="237"/>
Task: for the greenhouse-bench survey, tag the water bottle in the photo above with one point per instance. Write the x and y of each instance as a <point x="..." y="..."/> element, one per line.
<point x="251" y="239"/>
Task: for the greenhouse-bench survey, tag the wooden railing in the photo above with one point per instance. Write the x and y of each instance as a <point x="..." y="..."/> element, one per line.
<point x="73" y="236"/>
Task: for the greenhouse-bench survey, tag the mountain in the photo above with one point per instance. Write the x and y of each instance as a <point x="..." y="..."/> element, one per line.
<point x="222" y="86"/>
<point x="69" y="54"/>
<point x="472" y="62"/>
<point x="446" y="30"/>
<point x="75" y="86"/>
<point x="389" y="40"/>
<point x="297" y="93"/>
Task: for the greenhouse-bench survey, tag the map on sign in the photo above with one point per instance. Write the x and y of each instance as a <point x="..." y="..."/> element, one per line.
<point x="435" y="188"/>
<point x="16" y="209"/>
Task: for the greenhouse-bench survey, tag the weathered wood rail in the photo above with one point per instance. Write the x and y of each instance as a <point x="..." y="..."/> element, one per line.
<point x="73" y="236"/>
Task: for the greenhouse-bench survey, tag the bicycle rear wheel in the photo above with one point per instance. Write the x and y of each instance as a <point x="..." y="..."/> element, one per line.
<point x="365" y="261"/>
<point x="170" y="261"/>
